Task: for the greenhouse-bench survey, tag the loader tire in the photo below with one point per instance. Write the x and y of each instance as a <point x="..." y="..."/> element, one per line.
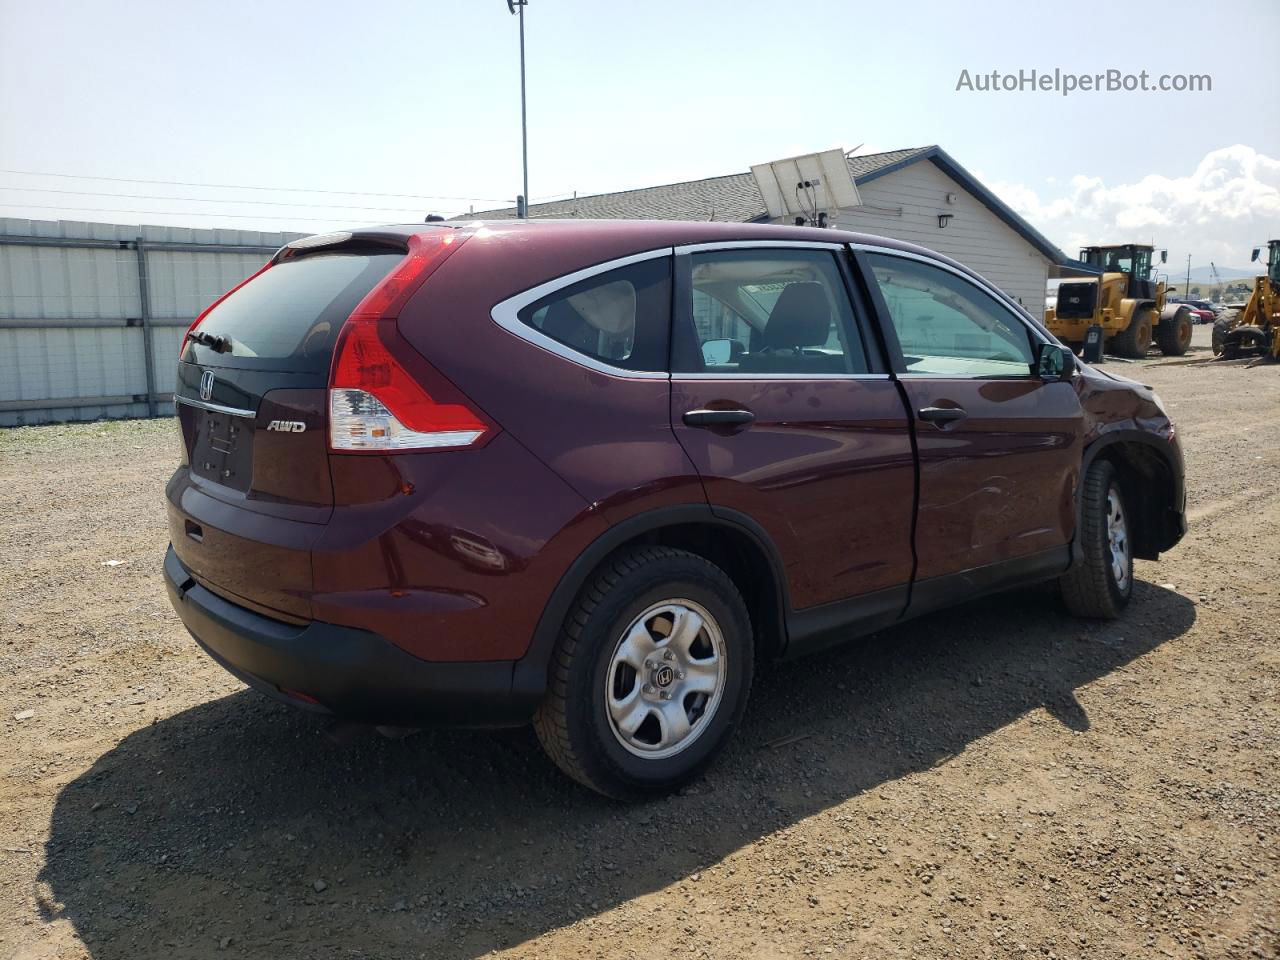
<point x="1134" y="340"/>
<point x="1173" y="334"/>
<point x="1219" y="338"/>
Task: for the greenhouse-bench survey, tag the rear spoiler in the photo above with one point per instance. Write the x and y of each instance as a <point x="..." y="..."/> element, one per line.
<point x="319" y="241"/>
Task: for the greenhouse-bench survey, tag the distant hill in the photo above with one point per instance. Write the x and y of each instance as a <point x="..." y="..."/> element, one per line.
<point x="1205" y="274"/>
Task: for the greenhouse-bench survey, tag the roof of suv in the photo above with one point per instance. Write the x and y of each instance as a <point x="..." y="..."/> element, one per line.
<point x="648" y="234"/>
<point x="623" y="237"/>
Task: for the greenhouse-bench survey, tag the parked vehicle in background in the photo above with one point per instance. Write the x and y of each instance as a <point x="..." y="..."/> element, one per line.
<point x="1255" y="327"/>
<point x="1202" y="310"/>
<point x="1200" y="314"/>
<point x="595" y="475"/>
<point x="1125" y="300"/>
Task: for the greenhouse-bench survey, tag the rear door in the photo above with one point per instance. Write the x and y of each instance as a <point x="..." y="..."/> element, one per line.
<point x="254" y="489"/>
<point x="999" y="448"/>
<point x="784" y="408"/>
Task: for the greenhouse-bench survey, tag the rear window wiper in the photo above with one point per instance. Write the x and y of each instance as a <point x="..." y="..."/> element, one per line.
<point x="214" y="342"/>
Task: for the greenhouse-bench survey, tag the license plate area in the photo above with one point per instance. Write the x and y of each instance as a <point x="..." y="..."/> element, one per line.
<point x="223" y="450"/>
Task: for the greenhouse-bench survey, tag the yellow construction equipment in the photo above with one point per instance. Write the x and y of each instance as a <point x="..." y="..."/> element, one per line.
<point x="1125" y="301"/>
<point x="1256" y="328"/>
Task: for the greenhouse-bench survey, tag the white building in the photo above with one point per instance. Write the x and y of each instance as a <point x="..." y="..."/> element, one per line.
<point x="919" y="195"/>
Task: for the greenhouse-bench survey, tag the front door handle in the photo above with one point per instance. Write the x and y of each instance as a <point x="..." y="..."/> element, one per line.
<point x="718" y="418"/>
<point x="941" y="416"/>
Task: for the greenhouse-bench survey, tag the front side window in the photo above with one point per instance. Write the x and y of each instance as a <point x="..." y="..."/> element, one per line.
<point x="619" y="318"/>
<point x="770" y="312"/>
<point x="946" y="326"/>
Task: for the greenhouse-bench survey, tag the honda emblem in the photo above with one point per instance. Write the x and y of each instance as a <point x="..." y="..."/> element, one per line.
<point x="206" y="385"/>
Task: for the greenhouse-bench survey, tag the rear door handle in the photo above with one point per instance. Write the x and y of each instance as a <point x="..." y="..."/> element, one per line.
<point x="941" y="416"/>
<point x="718" y="418"/>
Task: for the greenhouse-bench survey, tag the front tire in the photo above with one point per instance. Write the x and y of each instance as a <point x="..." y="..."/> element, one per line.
<point x="1100" y="584"/>
<point x="1174" y="334"/>
<point x="650" y="674"/>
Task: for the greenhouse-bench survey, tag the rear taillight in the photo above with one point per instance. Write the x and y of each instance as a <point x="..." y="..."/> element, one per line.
<point x="383" y="396"/>
<point x="182" y="344"/>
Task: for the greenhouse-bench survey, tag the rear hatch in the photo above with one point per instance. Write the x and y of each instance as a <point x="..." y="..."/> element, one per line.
<point x="254" y="492"/>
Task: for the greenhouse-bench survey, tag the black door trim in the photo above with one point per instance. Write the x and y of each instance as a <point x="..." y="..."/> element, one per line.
<point x="952" y="588"/>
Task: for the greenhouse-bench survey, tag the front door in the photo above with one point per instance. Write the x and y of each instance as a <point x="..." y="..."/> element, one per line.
<point x="999" y="447"/>
<point x="790" y="418"/>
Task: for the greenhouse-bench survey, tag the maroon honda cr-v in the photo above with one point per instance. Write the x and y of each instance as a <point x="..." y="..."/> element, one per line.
<point x="588" y="474"/>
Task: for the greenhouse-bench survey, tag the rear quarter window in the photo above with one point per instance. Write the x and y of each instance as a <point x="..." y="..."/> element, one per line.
<point x="619" y="318"/>
<point x="288" y="317"/>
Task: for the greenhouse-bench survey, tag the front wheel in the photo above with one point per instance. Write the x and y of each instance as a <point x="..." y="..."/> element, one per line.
<point x="650" y="674"/>
<point x="1100" y="583"/>
<point x="1174" y="334"/>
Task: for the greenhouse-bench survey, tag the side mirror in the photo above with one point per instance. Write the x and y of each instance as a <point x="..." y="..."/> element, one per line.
<point x="1256" y="251"/>
<point x="1164" y="256"/>
<point x="1055" y="362"/>
<point x="717" y="353"/>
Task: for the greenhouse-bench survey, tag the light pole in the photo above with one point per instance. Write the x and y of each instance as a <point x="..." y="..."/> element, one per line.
<point x="522" y="208"/>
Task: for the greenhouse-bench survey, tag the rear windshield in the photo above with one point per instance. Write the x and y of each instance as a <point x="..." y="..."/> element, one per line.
<point x="287" y="318"/>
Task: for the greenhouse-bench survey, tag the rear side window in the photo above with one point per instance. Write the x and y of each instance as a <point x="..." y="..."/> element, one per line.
<point x="619" y="318"/>
<point x="288" y="317"/>
<point x="764" y="312"/>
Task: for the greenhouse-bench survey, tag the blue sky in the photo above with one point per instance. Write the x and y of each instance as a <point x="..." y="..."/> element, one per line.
<point x="422" y="98"/>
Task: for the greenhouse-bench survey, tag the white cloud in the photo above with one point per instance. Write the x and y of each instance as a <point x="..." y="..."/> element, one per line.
<point x="1230" y="202"/>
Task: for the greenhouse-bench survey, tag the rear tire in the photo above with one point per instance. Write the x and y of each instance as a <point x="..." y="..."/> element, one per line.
<point x="1174" y="334"/>
<point x="1100" y="583"/>
<point x="650" y="674"/>
<point x="1134" y="340"/>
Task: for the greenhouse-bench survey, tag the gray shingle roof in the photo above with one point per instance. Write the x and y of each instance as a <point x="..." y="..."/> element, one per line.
<point x="732" y="198"/>
<point x="735" y="198"/>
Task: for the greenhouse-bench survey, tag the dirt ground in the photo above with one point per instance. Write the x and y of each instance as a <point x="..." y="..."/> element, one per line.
<point x="996" y="781"/>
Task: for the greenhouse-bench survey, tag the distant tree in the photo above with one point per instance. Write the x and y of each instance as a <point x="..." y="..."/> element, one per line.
<point x="1195" y="292"/>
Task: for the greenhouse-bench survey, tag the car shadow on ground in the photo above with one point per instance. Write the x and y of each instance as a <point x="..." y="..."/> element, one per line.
<point x="237" y="828"/>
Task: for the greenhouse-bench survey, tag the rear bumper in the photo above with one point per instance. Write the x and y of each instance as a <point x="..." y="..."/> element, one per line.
<point x="352" y="673"/>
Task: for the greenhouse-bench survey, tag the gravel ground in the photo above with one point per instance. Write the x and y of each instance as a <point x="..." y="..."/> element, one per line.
<point x="997" y="781"/>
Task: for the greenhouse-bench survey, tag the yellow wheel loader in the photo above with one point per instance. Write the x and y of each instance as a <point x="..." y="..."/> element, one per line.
<point x="1256" y="328"/>
<point x="1124" y="301"/>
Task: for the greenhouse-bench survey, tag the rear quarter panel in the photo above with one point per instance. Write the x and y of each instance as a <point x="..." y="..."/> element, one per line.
<point x="450" y="555"/>
<point x="608" y="437"/>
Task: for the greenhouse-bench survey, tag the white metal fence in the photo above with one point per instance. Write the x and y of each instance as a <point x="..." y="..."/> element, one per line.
<point x="91" y="313"/>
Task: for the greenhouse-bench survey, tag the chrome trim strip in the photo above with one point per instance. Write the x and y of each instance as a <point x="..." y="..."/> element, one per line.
<point x="681" y="377"/>
<point x="956" y="376"/>
<point x="217" y="407"/>
<point x="758" y="245"/>
<point x="507" y="315"/>
<point x="986" y="286"/>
